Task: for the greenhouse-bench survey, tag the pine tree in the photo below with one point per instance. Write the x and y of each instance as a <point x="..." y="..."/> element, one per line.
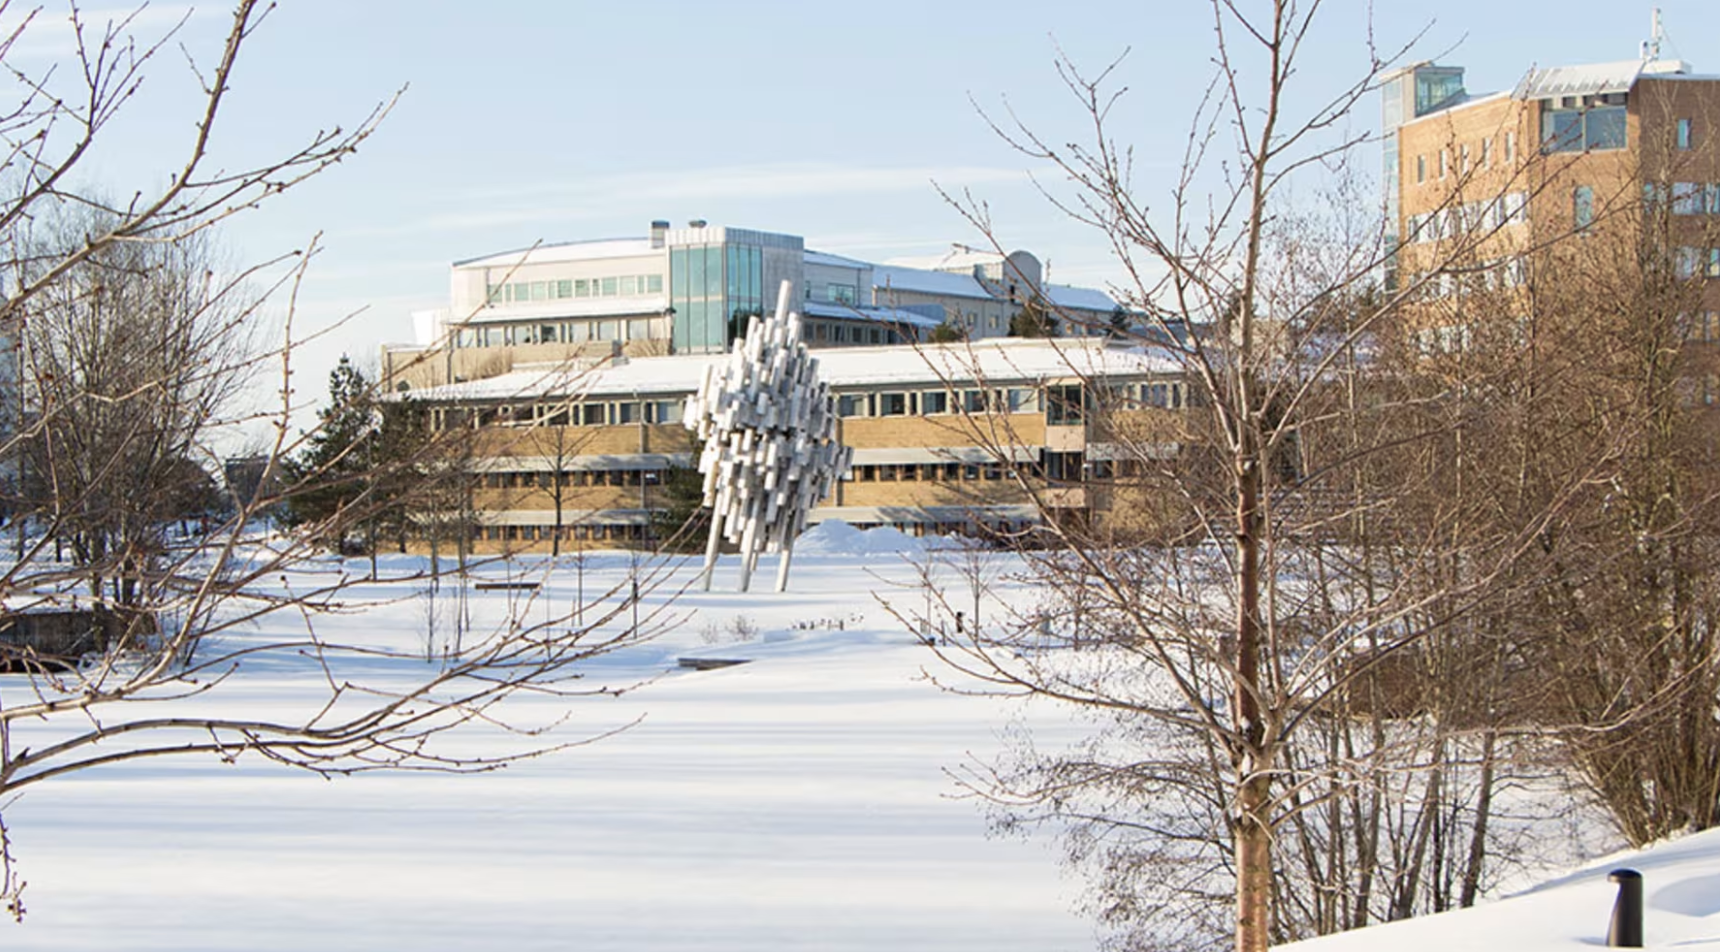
<point x="330" y="475"/>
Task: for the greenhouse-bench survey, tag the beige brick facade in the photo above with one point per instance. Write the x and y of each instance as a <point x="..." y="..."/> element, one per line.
<point x="934" y="451"/>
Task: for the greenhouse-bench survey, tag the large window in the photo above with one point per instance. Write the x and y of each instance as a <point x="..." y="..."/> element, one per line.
<point x="1022" y="399"/>
<point x="1594" y="123"/>
<point x="1065" y="405"/>
<point x="1436" y="87"/>
<point x="714" y="291"/>
<point x="1063" y="467"/>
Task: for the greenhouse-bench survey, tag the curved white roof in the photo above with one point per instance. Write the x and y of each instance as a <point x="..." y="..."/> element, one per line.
<point x="998" y="361"/>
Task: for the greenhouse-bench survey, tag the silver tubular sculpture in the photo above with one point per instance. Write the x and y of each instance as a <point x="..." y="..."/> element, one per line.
<point x="768" y="426"/>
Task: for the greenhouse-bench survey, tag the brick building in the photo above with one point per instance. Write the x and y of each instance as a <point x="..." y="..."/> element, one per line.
<point x="940" y="436"/>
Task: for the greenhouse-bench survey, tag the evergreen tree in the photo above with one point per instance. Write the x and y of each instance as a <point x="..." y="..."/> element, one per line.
<point x="330" y="475"/>
<point x="1033" y="320"/>
<point x="949" y="332"/>
<point x="681" y="521"/>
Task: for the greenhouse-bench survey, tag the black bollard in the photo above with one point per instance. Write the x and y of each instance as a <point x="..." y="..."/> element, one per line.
<point x="1625" y="932"/>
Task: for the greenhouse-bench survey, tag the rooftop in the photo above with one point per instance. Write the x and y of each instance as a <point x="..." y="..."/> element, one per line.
<point x="567" y="251"/>
<point x="999" y="360"/>
<point x="1594" y="79"/>
<point x="916" y="280"/>
<point x="880" y="315"/>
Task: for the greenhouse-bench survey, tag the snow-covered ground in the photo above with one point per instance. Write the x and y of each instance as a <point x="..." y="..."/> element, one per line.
<point x="798" y="801"/>
<point x="1681" y="896"/>
<point x="795" y="802"/>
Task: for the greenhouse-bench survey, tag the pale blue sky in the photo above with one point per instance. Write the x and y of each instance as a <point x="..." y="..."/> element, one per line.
<point x="553" y="121"/>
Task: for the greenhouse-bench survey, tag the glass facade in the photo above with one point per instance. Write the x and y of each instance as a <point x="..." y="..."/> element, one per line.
<point x="714" y="290"/>
<point x="1435" y="86"/>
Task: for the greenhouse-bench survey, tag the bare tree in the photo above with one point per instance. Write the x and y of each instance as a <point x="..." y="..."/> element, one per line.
<point x="1259" y="652"/>
<point x="126" y="360"/>
<point x="133" y="347"/>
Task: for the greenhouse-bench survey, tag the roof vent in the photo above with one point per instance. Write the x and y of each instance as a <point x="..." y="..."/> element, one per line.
<point x="697" y="223"/>
<point x="659" y="233"/>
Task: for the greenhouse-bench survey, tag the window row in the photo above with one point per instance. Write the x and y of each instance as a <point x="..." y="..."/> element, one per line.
<point x="1160" y="396"/>
<point x="537" y="292"/>
<point x="584" y="413"/>
<point x="1500" y="274"/>
<point x="1053" y="466"/>
<point x="1697" y="262"/>
<point x="1684" y="198"/>
<point x="576" y="479"/>
<point x="1702" y="326"/>
<point x="1063" y="404"/>
<point x="554" y="332"/>
<point x="1456" y="221"/>
<point x="1482" y="155"/>
<point x="843" y="332"/>
<point x="579" y="532"/>
<point x="927" y="472"/>
<point x="938" y="402"/>
<point x="1459" y="338"/>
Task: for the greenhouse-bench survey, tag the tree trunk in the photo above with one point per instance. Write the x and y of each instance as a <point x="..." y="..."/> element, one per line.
<point x="1253" y="836"/>
<point x="1478" y="833"/>
<point x="1253" y="831"/>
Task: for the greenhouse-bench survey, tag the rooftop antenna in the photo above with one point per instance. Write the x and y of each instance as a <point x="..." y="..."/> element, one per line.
<point x="1651" y="48"/>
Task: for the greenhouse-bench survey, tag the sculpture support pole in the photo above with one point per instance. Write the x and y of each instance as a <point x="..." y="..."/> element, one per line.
<point x="782" y="570"/>
<point x="747" y="560"/>
<point x="711" y="549"/>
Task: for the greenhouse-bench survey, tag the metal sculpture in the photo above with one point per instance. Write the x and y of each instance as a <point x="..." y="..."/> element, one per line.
<point x="768" y="426"/>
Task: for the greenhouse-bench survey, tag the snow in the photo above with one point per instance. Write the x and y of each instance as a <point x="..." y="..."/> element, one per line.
<point x="591" y="250"/>
<point x="881" y="315"/>
<point x="797" y="801"/>
<point x="833" y="537"/>
<point x="1681" y="893"/>
<point x="887" y="278"/>
<point x="1590" y="79"/>
<point x="998" y="361"/>
<point x="826" y="259"/>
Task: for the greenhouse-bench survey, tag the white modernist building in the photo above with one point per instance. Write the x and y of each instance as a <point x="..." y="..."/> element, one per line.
<point x="693" y="290"/>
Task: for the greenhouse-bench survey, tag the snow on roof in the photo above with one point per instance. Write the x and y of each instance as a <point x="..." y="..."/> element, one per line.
<point x="1087" y="299"/>
<point x="1594" y="79"/>
<point x="834" y="261"/>
<point x="888" y="278"/>
<point x="569" y="251"/>
<point x="998" y="361"/>
<point x="1568" y="914"/>
<point x="881" y="315"/>
<point x="917" y="280"/>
